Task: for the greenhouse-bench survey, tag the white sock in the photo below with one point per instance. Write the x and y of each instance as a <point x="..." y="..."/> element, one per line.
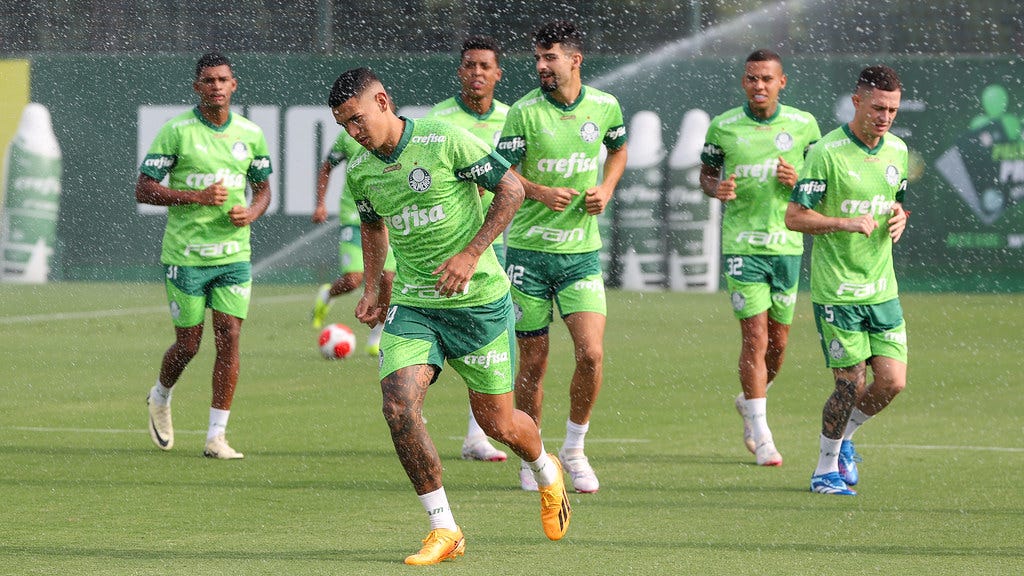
<point x="218" y="423"/>
<point x="544" y="471"/>
<point x="474" y="430"/>
<point x="857" y="419"/>
<point x="160" y="394"/>
<point x="438" y="510"/>
<point x="755" y="411"/>
<point x="374" y="337"/>
<point x="575" y="434"/>
<point x="828" y="457"/>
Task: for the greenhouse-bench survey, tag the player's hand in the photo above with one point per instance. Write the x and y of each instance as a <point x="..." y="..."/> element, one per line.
<point x="370" y="311"/>
<point x="726" y="189"/>
<point x="898" y="223"/>
<point x="455" y="273"/>
<point x="213" y="195"/>
<point x="319" y="214"/>
<point x="239" y="215"/>
<point x="559" y="198"/>
<point x="785" y="173"/>
<point x="864" y="224"/>
<point x="596" y="200"/>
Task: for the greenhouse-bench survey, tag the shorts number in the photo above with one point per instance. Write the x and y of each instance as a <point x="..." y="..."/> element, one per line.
<point x="515" y="274"/>
<point x="172" y="272"/>
<point x="830" y="314"/>
<point x="734" y="264"/>
<point x="391" y="314"/>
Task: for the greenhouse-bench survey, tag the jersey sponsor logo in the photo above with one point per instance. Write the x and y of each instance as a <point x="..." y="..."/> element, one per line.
<point x="485" y="360"/>
<point x="760" y="238"/>
<point x="260" y="163"/>
<point x="426" y="291"/>
<point x="712" y="150"/>
<point x="239" y="150"/>
<point x="877" y="206"/>
<point x="213" y="249"/>
<point x="200" y="181"/>
<point x="809" y="187"/>
<point x="898" y="337"/>
<point x="784" y="141"/>
<point x="862" y="290"/>
<point x="415" y="217"/>
<point x="892" y="175"/>
<point x="512" y="144"/>
<point x="431" y="138"/>
<point x="588" y="285"/>
<point x="760" y="172"/>
<point x="159" y="162"/>
<point x="616" y="133"/>
<point x="556" y="235"/>
<point x="589" y="132"/>
<point x="475" y="171"/>
<point x="239" y="290"/>
<point x="419" y="179"/>
<point x="784" y="299"/>
<point x="364" y="207"/>
<point x="577" y="163"/>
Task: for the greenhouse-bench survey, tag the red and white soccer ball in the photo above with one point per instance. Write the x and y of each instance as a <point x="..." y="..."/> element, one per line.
<point x="337" y="341"/>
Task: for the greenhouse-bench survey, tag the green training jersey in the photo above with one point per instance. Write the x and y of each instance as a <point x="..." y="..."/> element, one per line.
<point x="558" y="145"/>
<point x="345" y="148"/>
<point x="843" y="178"/>
<point x="195" y="154"/>
<point x="426" y="194"/>
<point x="486" y="127"/>
<point x="742" y="144"/>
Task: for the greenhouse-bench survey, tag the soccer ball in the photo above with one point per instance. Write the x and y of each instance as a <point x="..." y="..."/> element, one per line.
<point x="337" y="341"/>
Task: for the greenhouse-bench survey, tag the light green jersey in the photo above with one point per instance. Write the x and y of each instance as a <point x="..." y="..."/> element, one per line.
<point x="558" y="145"/>
<point x="426" y="194"/>
<point x="742" y="144"/>
<point x="345" y="148"/>
<point x="843" y="178"/>
<point x="195" y="154"/>
<point x="486" y="127"/>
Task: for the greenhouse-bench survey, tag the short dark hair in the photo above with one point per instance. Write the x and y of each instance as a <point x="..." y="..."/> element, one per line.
<point x="211" y="60"/>
<point x="881" y="77"/>
<point x="764" y="55"/>
<point x="350" y="84"/>
<point x="562" y="32"/>
<point x="481" y="42"/>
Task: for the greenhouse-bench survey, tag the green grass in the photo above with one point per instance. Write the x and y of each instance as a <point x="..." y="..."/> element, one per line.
<point x="83" y="491"/>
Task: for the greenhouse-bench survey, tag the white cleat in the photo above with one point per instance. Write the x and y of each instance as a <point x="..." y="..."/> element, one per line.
<point x="584" y="480"/>
<point x="767" y="455"/>
<point x="748" y="432"/>
<point x="160" y="428"/>
<point x="481" y="449"/>
<point x="526" y="480"/>
<point x="217" y="447"/>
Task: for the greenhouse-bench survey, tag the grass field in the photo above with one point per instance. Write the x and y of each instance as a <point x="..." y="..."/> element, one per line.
<point x="83" y="491"/>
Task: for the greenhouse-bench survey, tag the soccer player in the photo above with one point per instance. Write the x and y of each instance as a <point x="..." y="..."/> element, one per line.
<point x="850" y="197"/>
<point x="476" y="110"/>
<point x="752" y="155"/>
<point x="208" y="154"/>
<point x="554" y="133"/>
<point x="416" y="186"/>
<point x="350" y="255"/>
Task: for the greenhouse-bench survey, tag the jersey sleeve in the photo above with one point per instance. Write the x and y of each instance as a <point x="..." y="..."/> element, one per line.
<point x="512" y="143"/>
<point x="615" y="136"/>
<point x="162" y="156"/>
<point x="260" y="168"/>
<point x="354" y="186"/>
<point x="813" y="185"/>
<point x="473" y="161"/>
<point x="712" y="154"/>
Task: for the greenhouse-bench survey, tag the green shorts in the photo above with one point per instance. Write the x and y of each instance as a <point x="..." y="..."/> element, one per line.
<point x="540" y="280"/>
<point x="350" y="252"/>
<point x="851" y="334"/>
<point x="193" y="289"/>
<point x="477" y="342"/>
<point x="759" y="283"/>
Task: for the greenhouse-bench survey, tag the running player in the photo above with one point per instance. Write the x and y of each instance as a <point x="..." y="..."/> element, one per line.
<point x="350" y="255"/>
<point x="752" y="155"/>
<point x="208" y="155"/>
<point x="851" y="198"/>
<point x="416" y="186"/>
<point x="555" y="133"/>
<point x="476" y="110"/>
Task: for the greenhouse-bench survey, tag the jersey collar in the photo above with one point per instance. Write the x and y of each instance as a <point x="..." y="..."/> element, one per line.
<point x="862" y="145"/>
<point x="210" y="125"/>
<point x="567" y="107"/>
<point x="768" y="120"/>
<point x="471" y="112"/>
<point x="402" y="142"/>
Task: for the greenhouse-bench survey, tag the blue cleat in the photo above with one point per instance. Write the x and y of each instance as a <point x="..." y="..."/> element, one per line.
<point x="830" y="483"/>
<point x="848" y="459"/>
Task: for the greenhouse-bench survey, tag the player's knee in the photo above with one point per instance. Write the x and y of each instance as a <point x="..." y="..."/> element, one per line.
<point x="590" y="357"/>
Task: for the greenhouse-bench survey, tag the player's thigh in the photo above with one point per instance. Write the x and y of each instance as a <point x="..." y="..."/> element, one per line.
<point x="192" y="289"/>
<point x="747" y="279"/>
<point x="888" y="331"/>
<point x="532" y="290"/>
<point x="581" y="288"/>
<point x="480" y="345"/>
<point x="844" y="341"/>
<point x="783" y="284"/>
<point x="231" y="291"/>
